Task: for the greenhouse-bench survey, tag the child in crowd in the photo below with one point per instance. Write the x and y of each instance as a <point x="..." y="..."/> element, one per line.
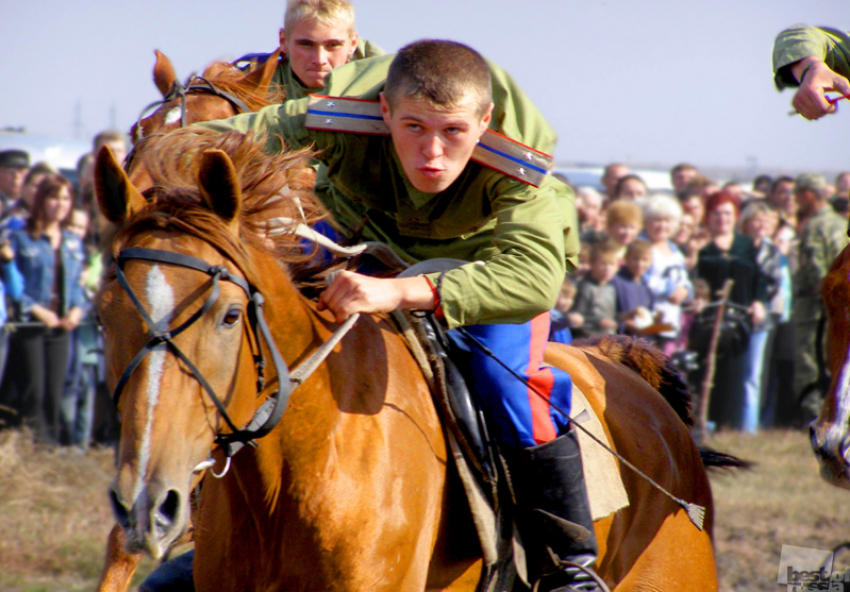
<point x="634" y="300"/>
<point x="76" y="411"/>
<point x="595" y="309"/>
<point x="559" y="330"/>
<point x="623" y="222"/>
<point x="583" y="262"/>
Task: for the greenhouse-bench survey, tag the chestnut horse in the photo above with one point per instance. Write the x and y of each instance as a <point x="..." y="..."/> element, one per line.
<point x="222" y="91"/>
<point x="830" y="433"/>
<point x="350" y="490"/>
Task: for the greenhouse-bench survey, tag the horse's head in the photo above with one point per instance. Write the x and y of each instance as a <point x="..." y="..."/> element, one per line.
<point x="221" y="92"/>
<point x="184" y="330"/>
<point x="830" y="433"/>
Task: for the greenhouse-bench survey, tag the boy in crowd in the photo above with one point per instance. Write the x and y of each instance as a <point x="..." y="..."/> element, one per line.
<point x="623" y="222"/>
<point x="634" y="300"/>
<point x="559" y="331"/>
<point x="595" y="310"/>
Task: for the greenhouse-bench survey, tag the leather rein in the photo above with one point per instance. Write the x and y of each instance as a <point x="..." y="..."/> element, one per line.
<point x="268" y="415"/>
<point x="270" y="412"/>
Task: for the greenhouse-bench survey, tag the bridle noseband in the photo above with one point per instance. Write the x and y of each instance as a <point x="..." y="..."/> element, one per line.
<point x="268" y="415"/>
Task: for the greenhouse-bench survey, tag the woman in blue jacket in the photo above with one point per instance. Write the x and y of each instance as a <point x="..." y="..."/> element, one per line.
<point x="51" y="262"/>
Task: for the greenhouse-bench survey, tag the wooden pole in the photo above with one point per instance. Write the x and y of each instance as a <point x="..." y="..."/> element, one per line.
<point x="710" y="364"/>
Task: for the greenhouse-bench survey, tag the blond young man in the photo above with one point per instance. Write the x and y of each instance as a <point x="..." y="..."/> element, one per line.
<point x="317" y="36"/>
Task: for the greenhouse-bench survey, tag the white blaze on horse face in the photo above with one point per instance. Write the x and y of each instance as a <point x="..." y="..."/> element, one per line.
<point x="160" y="297"/>
<point x="173" y="115"/>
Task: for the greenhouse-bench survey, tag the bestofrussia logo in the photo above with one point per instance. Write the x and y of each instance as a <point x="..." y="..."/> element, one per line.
<point x="803" y="568"/>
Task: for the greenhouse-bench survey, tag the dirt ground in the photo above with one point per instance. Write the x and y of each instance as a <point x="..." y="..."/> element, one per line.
<point x="54" y="515"/>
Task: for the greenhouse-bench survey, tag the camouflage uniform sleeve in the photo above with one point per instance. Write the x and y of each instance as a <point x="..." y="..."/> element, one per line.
<point x="820" y="245"/>
<point x="801" y="41"/>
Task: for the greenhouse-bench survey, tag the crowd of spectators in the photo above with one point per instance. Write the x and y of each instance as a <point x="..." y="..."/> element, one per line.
<point x="655" y="265"/>
<point x="51" y="369"/>
<point x="651" y="264"/>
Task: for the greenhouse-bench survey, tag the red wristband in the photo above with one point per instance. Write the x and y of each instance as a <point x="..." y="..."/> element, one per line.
<point x="438" y="306"/>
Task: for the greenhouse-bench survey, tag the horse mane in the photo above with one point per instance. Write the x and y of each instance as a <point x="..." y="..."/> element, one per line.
<point x="272" y="186"/>
<point x="230" y="79"/>
<point x="651" y="364"/>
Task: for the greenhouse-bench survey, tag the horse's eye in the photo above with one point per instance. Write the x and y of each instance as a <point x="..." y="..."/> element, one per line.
<point x="232" y="317"/>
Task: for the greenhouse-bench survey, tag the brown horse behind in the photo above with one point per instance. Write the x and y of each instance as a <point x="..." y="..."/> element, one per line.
<point x="350" y="491"/>
<point x="222" y="91"/>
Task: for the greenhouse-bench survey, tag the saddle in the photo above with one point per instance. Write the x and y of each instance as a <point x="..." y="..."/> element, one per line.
<point x="476" y="457"/>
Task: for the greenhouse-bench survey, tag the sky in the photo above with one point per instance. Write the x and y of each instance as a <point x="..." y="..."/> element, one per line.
<point x="637" y="81"/>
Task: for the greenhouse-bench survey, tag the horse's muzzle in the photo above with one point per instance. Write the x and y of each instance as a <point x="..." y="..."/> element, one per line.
<point x="153" y="522"/>
<point x="831" y="449"/>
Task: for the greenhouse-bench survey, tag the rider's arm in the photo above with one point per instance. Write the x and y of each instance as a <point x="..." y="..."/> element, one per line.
<point x="815" y="60"/>
<point x="803" y="42"/>
<point x="535" y="241"/>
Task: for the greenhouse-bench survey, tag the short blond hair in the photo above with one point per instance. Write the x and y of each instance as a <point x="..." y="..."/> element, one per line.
<point x="333" y="12"/>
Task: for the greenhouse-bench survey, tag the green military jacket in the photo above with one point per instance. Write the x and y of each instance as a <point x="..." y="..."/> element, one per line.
<point x="801" y="41"/>
<point x="519" y="239"/>
<point x="285" y="77"/>
<point x="824" y="237"/>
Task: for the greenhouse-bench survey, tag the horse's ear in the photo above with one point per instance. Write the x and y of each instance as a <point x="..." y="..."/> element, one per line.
<point x="261" y="76"/>
<point x="163" y="73"/>
<point x="219" y="185"/>
<point x="117" y="197"/>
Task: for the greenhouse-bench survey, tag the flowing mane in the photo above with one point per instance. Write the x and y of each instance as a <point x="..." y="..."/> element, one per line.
<point x="231" y="79"/>
<point x="272" y="186"/>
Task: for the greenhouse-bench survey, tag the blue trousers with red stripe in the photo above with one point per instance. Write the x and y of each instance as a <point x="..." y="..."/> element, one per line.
<point x="520" y="417"/>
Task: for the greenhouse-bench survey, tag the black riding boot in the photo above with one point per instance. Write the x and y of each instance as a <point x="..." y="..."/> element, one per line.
<point x="554" y="514"/>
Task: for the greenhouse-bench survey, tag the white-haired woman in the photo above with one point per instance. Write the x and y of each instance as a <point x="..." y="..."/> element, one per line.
<point x="667" y="278"/>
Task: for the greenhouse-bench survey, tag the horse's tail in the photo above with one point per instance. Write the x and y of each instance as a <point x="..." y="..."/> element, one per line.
<point x="652" y="365"/>
<point x="656" y="369"/>
<point x="712" y="459"/>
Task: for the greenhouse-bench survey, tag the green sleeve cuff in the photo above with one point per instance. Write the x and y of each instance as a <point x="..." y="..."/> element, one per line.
<point x="801" y="41"/>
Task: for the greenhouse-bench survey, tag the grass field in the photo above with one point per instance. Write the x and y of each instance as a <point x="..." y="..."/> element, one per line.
<point x="54" y="516"/>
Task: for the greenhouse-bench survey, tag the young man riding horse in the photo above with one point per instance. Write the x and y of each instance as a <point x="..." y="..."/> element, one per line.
<point x="317" y="36"/>
<point x="421" y="171"/>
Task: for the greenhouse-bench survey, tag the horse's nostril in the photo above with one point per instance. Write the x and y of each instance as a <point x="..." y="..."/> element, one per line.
<point x="122" y="514"/>
<point x="167" y="511"/>
<point x="813" y="437"/>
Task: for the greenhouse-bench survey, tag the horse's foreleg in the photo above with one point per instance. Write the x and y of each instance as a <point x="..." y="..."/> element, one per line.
<point x="119" y="566"/>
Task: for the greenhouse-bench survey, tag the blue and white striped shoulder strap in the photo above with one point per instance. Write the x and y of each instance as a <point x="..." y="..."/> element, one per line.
<point x="495" y="151"/>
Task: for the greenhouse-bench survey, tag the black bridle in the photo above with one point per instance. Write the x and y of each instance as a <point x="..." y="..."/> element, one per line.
<point x="196" y="83"/>
<point x="268" y="415"/>
<point x="178" y="91"/>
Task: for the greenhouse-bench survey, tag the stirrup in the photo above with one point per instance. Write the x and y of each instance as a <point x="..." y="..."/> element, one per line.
<point x="565" y="563"/>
